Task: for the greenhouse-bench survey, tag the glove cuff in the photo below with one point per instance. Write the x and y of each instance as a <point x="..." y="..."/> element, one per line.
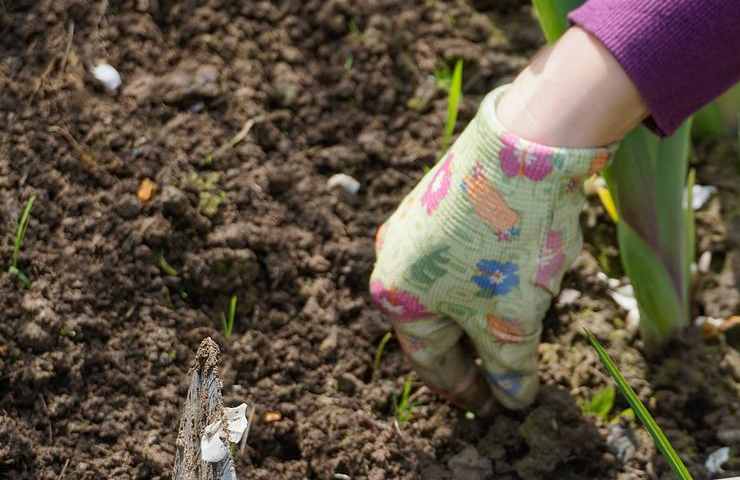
<point x="520" y="157"/>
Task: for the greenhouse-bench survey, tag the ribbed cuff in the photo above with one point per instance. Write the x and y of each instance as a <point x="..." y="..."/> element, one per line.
<point x="680" y="54"/>
<point x="533" y="160"/>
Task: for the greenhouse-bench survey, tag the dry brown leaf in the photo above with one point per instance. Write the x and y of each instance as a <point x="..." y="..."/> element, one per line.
<point x="271" y="417"/>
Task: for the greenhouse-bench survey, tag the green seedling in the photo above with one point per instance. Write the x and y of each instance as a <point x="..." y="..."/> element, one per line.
<point x="639" y="409"/>
<point x="601" y="404"/>
<point x="379" y="354"/>
<point x="166" y="267"/>
<point x="453" y="104"/>
<point x="228" y="320"/>
<point x="20" y="235"/>
<point x="404" y="408"/>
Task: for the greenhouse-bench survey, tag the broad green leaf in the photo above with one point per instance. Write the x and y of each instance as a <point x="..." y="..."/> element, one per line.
<point x="647" y="182"/>
<point x="708" y="123"/>
<point x="601" y="403"/>
<point x="662" y="310"/>
<point x="661" y="441"/>
<point x="552" y="15"/>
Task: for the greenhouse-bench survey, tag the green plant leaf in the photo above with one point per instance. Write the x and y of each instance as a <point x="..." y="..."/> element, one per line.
<point x="601" y="403"/>
<point x="20" y="232"/>
<point x="647" y="183"/>
<point x="453" y="103"/>
<point x="552" y="15"/>
<point x="661" y="441"/>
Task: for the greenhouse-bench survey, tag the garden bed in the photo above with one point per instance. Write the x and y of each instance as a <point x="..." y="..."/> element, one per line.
<point x="94" y="355"/>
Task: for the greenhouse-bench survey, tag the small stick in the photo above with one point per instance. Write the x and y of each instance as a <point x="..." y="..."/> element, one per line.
<point x="252" y="409"/>
<point x="70" y="35"/>
<point x="87" y="160"/>
<point x="64" y="470"/>
<point x="237" y="138"/>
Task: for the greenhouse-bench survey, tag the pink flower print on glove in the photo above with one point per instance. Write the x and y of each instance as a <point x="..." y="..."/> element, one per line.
<point x="552" y="260"/>
<point x="533" y="162"/>
<point x="439" y="186"/>
<point x="397" y="304"/>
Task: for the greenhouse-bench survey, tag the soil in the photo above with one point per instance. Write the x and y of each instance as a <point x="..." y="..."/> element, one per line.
<point x="125" y="285"/>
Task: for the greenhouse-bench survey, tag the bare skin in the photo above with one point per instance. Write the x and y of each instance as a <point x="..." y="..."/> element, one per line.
<point x="573" y="94"/>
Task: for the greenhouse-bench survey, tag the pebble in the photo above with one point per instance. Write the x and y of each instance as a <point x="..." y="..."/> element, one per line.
<point x="107" y="76"/>
<point x="34" y="337"/>
<point x="469" y="465"/>
<point x="128" y="206"/>
<point x="349" y="184"/>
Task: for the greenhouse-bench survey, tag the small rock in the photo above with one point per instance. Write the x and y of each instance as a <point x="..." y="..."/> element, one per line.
<point x="348" y="383"/>
<point x="154" y="230"/>
<point x="716" y="459"/>
<point x="174" y="201"/>
<point x="349" y="184"/>
<point x="330" y="342"/>
<point x="34" y="337"/>
<point x="128" y="206"/>
<point x="189" y="80"/>
<point x="234" y="235"/>
<point x="621" y="442"/>
<point x="107" y="76"/>
<point x="731" y="437"/>
<point x="568" y="296"/>
<point x="469" y="465"/>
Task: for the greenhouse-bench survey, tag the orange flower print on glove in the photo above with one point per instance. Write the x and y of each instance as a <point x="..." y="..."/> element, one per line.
<point x="490" y="205"/>
<point x="505" y="330"/>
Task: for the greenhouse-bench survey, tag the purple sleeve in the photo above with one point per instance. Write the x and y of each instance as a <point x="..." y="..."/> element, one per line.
<point x="679" y="53"/>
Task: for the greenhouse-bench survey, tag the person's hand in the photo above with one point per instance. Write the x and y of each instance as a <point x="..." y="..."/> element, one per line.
<point x="479" y="247"/>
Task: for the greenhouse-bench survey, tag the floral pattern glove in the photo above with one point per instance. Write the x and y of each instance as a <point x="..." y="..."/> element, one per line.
<point x="479" y="247"/>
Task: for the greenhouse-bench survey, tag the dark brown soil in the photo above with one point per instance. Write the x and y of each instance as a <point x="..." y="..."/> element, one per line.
<point x="94" y="355"/>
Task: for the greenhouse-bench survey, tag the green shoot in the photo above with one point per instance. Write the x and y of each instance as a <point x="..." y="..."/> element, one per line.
<point x="600" y="404"/>
<point x="453" y="104"/>
<point x="379" y="354"/>
<point x="166" y="267"/>
<point x="228" y="320"/>
<point x="661" y="441"/>
<point x="20" y="235"/>
<point x="404" y="408"/>
<point x="443" y="77"/>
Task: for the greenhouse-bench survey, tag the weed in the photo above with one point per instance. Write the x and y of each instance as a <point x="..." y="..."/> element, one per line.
<point x="20" y="235"/>
<point x="166" y="267"/>
<point x="600" y="404"/>
<point x="453" y="103"/>
<point x="404" y="407"/>
<point x="638" y="408"/>
<point x="379" y="354"/>
<point x="228" y="320"/>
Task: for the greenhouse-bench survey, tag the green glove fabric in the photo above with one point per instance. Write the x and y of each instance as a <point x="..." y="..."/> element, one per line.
<point x="480" y="247"/>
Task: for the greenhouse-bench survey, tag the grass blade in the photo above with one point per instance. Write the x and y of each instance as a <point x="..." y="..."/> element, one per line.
<point x="379" y="353"/>
<point x="20" y="233"/>
<point x="661" y="441"/>
<point x="453" y="104"/>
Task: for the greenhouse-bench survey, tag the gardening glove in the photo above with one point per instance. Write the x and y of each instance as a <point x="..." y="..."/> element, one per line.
<point x="480" y="247"/>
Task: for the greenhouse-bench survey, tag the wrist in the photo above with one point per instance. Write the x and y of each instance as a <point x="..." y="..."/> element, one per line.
<point x="574" y="94"/>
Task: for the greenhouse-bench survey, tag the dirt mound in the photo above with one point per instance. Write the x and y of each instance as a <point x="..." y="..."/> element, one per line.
<point x="125" y="285"/>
